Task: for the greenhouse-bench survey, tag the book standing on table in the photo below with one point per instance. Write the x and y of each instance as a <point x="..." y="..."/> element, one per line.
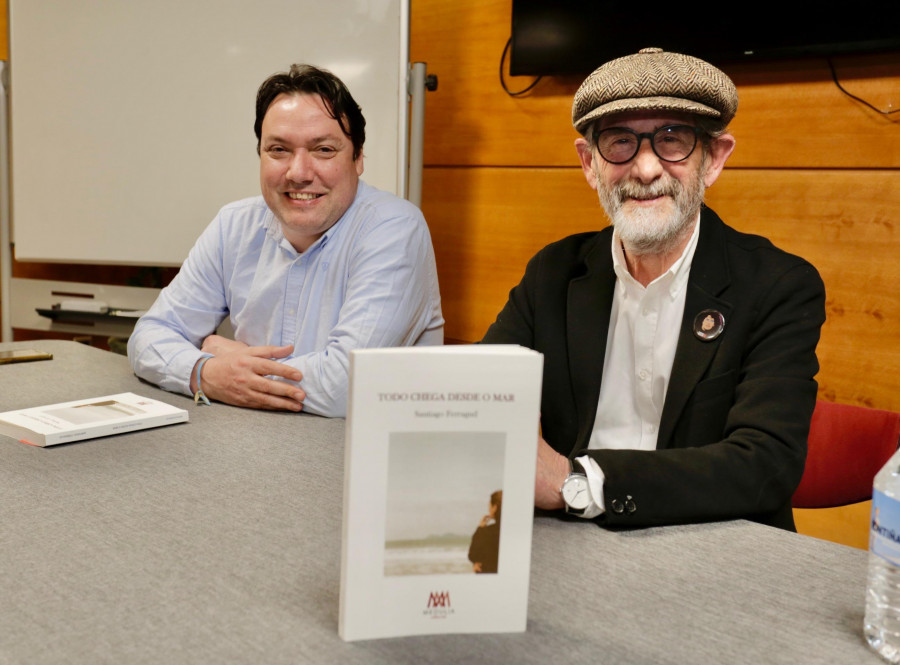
<point x="439" y="469"/>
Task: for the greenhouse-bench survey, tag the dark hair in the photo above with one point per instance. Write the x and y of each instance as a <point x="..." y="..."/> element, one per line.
<point x="497" y="500"/>
<point x="309" y="80"/>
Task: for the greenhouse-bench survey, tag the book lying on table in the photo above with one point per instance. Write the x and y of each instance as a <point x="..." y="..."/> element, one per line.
<point x="87" y="419"/>
<point x="441" y="445"/>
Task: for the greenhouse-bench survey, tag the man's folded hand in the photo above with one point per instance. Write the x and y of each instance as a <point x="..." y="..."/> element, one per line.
<point x="245" y="376"/>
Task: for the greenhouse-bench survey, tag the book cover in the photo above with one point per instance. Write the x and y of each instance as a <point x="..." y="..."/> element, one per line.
<point x="441" y="444"/>
<point x="66" y="422"/>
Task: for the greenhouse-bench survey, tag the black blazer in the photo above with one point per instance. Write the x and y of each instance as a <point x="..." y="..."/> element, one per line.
<point x="732" y="439"/>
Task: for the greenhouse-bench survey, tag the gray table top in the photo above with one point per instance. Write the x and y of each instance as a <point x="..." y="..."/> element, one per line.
<point x="218" y="541"/>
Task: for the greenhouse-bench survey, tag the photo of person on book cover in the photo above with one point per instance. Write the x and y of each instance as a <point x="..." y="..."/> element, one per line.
<point x="437" y="485"/>
<point x="484" y="549"/>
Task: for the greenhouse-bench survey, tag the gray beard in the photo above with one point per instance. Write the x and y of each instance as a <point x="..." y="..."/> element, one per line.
<point x="653" y="231"/>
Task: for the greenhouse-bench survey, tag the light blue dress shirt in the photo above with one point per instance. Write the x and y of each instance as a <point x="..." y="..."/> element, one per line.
<point x="370" y="281"/>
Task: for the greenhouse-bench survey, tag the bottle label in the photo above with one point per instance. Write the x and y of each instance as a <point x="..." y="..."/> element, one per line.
<point x="885" y="534"/>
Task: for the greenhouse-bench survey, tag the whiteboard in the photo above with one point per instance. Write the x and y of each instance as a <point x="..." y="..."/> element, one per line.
<point x="132" y="120"/>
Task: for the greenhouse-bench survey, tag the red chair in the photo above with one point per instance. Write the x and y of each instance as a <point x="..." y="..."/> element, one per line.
<point x="847" y="446"/>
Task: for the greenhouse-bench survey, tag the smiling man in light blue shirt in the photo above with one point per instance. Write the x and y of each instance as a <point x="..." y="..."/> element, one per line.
<point x="317" y="266"/>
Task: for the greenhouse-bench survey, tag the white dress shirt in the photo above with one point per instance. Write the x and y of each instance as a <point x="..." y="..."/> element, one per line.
<point x="640" y="348"/>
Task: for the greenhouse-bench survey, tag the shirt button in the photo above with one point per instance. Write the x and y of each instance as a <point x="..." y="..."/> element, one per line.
<point x="643" y="374"/>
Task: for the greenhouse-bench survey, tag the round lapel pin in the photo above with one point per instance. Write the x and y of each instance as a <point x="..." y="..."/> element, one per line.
<point x="709" y="324"/>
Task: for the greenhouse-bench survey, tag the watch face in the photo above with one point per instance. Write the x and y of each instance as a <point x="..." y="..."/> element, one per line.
<point x="575" y="492"/>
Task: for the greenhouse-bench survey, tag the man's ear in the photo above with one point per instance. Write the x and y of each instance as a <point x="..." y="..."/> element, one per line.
<point x="586" y="157"/>
<point x="359" y="164"/>
<point x="720" y="149"/>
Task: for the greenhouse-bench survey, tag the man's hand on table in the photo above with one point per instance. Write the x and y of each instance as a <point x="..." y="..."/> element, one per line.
<point x="552" y="470"/>
<point x="239" y="374"/>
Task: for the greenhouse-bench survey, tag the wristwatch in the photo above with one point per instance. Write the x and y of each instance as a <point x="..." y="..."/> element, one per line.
<point x="575" y="493"/>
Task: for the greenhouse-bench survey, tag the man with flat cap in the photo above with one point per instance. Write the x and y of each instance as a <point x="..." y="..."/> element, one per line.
<point x="679" y="354"/>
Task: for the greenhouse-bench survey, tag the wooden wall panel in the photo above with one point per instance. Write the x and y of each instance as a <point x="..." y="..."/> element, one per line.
<point x="847" y="525"/>
<point x="469" y="119"/>
<point x="488" y="222"/>
<point x="847" y="223"/>
<point x="95" y="274"/>
<point x="790" y="115"/>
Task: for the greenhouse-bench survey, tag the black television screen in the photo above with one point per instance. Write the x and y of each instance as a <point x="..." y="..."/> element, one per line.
<point x="577" y="36"/>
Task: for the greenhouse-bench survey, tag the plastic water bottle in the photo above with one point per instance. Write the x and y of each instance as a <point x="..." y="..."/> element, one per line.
<point x="882" y="623"/>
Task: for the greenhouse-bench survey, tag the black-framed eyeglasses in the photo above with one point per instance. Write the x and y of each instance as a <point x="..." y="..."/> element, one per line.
<point x="672" y="143"/>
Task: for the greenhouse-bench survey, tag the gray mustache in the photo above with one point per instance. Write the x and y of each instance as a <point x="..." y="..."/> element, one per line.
<point x="634" y="190"/>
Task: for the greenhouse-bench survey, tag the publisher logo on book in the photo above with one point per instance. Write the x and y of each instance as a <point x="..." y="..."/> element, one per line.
<point x="438" y="605"/>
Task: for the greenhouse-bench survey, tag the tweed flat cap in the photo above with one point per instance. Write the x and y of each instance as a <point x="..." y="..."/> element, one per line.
<point x="653" y="79"/>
